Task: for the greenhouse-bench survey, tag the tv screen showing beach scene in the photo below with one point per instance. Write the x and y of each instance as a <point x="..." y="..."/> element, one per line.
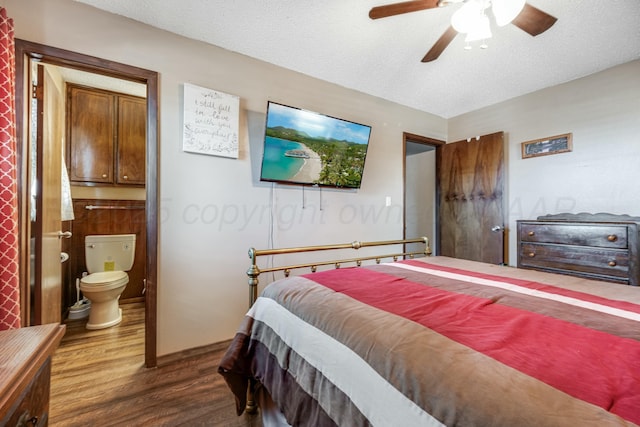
<point x="307" y="148"/>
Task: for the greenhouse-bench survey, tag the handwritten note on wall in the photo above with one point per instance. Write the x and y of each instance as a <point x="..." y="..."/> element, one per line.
<point x="210" y="122"/>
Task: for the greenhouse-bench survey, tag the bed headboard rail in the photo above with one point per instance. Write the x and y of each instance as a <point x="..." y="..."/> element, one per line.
<point x="254" y="271"/>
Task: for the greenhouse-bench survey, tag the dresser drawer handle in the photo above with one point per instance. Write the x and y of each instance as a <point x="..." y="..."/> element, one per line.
<point x="532" y="254"/>
<point x="612" y="238"/>
<point x="531" y="233"/>
<point x="612" y="263"/>
<point x="26" y="419"/>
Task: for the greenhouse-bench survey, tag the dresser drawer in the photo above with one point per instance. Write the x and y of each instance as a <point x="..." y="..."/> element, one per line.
<point x="25" y="371"/>
<point x="601" y="236"/>
<point x="32" y="408"/>
<point x="600" y="262"/>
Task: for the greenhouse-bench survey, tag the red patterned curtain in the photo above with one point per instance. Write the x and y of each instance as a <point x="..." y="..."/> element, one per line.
<point x="9" y="279"/>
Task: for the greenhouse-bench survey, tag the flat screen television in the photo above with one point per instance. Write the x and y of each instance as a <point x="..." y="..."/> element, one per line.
<point x="306" y="148"/>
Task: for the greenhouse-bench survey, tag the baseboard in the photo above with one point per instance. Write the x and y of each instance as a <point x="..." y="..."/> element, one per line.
<point x="132" y="300"/>
<point x="191" y="352"/>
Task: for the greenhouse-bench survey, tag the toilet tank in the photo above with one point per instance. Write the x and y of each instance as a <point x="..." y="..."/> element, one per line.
<point x="112" y="252"/>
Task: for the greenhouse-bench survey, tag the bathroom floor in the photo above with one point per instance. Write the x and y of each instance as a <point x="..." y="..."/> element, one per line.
<point x="98" y="378"/>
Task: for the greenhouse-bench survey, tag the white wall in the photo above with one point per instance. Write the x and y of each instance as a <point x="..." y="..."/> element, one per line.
<point x="420" y="195"/>
<point x="601" y="174"/>
<point x="213" y="209"/>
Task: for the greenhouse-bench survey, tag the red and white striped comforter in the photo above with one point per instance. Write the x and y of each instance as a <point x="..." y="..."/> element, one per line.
<point x="439" y="341"/>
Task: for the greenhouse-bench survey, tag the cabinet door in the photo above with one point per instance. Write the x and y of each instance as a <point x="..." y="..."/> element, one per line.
<point x="131" y="159"/>
<point x="91" y="133"/>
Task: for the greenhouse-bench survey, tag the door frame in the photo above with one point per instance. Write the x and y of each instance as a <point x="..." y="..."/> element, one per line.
<point x="26" y="51"/>
<point x="437" y="144"/>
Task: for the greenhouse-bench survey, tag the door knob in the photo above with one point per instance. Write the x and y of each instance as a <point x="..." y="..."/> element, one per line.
<point x="497" y="228"/>
<point x="64" y="234"/>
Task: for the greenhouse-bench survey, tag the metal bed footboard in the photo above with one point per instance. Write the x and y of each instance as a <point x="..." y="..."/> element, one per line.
<point x="254" y="271"/>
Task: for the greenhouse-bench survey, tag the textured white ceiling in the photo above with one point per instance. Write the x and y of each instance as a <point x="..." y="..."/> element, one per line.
<point x="334" y="40"/>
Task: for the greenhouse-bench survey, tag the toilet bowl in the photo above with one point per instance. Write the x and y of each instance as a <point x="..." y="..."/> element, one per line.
<point x="108" y="258"/>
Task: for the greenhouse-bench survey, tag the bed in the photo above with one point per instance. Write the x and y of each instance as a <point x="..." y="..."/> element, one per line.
<point x="435" y="341"/>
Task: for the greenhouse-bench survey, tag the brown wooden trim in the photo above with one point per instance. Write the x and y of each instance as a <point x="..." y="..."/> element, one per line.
<point x="152" y="209"/>
<point x="62" y="57"/>
<point x="425" y="140"/>
<point x="23" y="167"/>
<point x="412" y="137"/>
<point x="93" y="64"/>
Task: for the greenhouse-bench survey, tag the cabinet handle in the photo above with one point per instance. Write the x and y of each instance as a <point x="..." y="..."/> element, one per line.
<point x="612" y="238"/>
<point x="612" y="263"/>
<point x="104" y="175"/>
<point x="125" y="177"/>
<point x="531" y="233"/>
<point x="532" y="254"/>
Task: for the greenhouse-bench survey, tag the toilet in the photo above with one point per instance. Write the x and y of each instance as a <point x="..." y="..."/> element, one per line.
<point x="108" y="258"/>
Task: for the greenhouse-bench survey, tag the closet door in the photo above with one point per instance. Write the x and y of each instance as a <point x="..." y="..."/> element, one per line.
<point x="471" y="207"/>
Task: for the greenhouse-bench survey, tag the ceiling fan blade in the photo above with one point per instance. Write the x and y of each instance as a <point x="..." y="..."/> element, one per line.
<point x="400" y="8"/>
<point x="440" y="45"/>
<point x="533" y="20"/>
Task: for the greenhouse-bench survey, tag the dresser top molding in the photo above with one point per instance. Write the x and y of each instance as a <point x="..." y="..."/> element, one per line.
<point x="589" y="217"/>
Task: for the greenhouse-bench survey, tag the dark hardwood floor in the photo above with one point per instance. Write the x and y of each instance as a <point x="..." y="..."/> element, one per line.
<point x="98" y="378"/>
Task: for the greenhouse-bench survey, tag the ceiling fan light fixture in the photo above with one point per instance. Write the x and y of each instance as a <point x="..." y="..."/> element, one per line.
<point x="506" y="11"/>
<point x="529" y="19"/>
<point x="480" y="30"/>
<point x="463" y="20"/>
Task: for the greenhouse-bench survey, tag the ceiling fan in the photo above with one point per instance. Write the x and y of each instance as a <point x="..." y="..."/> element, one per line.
<point x="472" y="20"/>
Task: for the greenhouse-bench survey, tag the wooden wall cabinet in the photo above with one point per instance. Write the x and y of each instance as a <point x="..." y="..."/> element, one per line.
<point x="596" y="246"/>
<point x="106" y="137"/>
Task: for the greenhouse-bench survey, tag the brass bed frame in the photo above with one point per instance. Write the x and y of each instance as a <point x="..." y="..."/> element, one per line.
<point x="254" y="270"/>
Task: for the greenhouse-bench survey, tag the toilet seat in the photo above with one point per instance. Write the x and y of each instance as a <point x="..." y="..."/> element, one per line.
<point x="104" y="280"/>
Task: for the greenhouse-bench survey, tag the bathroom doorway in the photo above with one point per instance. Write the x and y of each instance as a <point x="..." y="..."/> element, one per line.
<point x="67" y="63"/>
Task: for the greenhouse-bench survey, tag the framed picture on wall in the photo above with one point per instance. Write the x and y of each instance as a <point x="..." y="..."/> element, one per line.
<point x="545" y="146"/>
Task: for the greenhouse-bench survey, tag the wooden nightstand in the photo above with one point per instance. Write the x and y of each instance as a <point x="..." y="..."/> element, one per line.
<point x="25" y="373"/>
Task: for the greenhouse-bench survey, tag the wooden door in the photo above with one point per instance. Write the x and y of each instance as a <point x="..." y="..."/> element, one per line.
<point x="471" y="211"/>
<point x="47" y="230"/>
<point x="131" y="160"/>
<point x="90" y="133"/>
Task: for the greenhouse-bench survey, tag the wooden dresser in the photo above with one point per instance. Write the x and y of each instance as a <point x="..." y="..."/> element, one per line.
<point x="25" y="372"/>
<point x="596" y="246"/>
